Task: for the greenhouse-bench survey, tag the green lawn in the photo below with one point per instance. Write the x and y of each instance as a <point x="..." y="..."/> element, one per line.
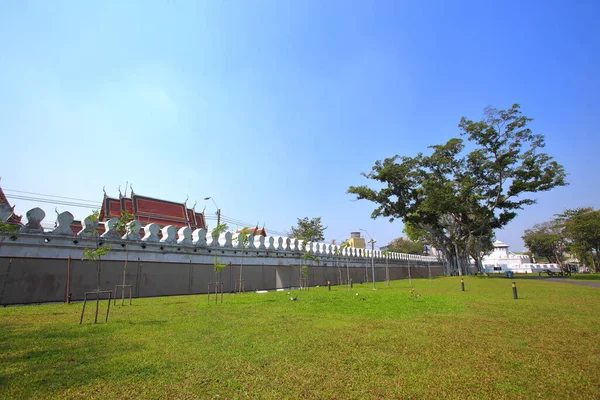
<point x="380" y="344"/>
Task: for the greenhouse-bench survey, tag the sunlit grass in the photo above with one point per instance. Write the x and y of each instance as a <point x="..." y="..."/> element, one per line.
<point x="328" y="344"/>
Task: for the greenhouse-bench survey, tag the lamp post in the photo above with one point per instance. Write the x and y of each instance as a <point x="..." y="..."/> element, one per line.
<point x="372" y="241"/>
<point x="218" y="209"/>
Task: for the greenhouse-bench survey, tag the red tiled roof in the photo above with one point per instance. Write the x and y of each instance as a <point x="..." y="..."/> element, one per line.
<point x="14" y="218"/>
<point x="149" y="210"/>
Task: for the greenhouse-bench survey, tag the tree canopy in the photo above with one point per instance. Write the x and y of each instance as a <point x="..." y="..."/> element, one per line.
<point x="309" y="230"/>
<point x="454" y="199"/>
<point x="403" y="245"/>
<point x="575" y="231"/>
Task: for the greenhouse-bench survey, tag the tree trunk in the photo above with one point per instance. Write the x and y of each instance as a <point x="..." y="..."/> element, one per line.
<point x="456" y="258"/>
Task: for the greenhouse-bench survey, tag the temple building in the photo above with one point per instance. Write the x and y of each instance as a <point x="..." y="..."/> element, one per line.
<point x="14" y="219"/>
<point x="147" y="210"/>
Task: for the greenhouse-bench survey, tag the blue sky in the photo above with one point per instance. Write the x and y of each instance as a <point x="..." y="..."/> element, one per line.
<point x="274" y="108"/>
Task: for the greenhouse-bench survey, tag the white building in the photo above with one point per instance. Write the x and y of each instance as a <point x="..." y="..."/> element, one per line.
<point x="501" y="260"/>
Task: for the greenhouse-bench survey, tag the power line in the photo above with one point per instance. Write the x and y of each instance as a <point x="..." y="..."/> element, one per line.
<point x="50" y="201"/>
<point x="48" y="195"/>
<point x="95" y="205"/>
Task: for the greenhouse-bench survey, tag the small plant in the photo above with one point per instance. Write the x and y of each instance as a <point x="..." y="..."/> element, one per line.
<point x="218" y="266"/>
<point x="8" y="230"/>
<point x="217" y="231"/>
<point x="414" y="294"/>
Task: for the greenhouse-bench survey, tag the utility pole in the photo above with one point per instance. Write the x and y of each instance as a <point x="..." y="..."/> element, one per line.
<point x="218" y="209"/>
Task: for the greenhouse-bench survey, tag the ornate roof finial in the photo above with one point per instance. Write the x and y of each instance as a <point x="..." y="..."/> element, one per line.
<point x="194" y="206"/>
<point x="56" y="210"/>
<point x="131" y="187"/>
<point x="120" y="195"/>
<point x="186" y="199"/>
<point x="104" y="190"/>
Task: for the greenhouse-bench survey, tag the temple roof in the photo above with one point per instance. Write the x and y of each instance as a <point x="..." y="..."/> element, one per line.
<point x="150" y="210"/>
<point x="14" y="218"/>
<point x="498" y="243"/>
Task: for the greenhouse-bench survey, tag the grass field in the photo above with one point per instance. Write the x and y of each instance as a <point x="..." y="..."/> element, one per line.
<point x="387" y="344"/>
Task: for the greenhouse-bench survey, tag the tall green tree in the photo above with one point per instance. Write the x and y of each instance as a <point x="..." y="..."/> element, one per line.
<point x="546" y="240"/>
<point x="403" y="245"/>
<point x="309" y="230"/>
<point x="457" y="198"/>
<point x="581" y="228"/>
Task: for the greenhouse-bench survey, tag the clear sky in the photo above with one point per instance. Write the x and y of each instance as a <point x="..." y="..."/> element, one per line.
<point x="274" y="108"/>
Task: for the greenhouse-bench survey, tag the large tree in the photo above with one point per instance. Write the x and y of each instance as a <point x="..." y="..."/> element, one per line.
<point x="455" y="198"/>
<point x="581" y="228"/>
<point x="309" y="230"/>
<point x="403" y="245"/>
<point x="546" y="240"/>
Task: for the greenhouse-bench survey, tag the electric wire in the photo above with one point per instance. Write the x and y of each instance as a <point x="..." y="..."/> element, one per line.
<point x="55" y="200"/>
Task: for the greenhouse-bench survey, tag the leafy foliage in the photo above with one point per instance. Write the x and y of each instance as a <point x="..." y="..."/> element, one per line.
<point x="243" y="236"/>
<point x="121" y="226"/>
<point x="7" y="229"/>
<point x="96" y="254"/>
<point x="218" y="266"/>
<point x="402" y="245"/>
<point x="455" y="200"/>
<point x="309" y="230"/>
<point x="575" y="230"/>
<point x="218" y="230"/>
<point x="94" y="216"/>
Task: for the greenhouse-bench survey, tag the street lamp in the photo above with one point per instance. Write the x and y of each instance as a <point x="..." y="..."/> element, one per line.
<point x="218" y="209"/>
<point x="372" y="241"/>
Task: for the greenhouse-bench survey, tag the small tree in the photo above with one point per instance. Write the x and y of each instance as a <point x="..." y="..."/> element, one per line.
<point x="218" y="267"/>
<point x="338" y="252"/>
<point x="95" y="255"/>
<point x="243" y="237"/>
<point x="124" y="229"/>
<point x="304" y="277"/>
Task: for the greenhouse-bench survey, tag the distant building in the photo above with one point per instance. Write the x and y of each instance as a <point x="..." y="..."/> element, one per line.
<point x="147" y="210"/>
<point x="356" y="241"/>
<point x="501" y="259"/>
